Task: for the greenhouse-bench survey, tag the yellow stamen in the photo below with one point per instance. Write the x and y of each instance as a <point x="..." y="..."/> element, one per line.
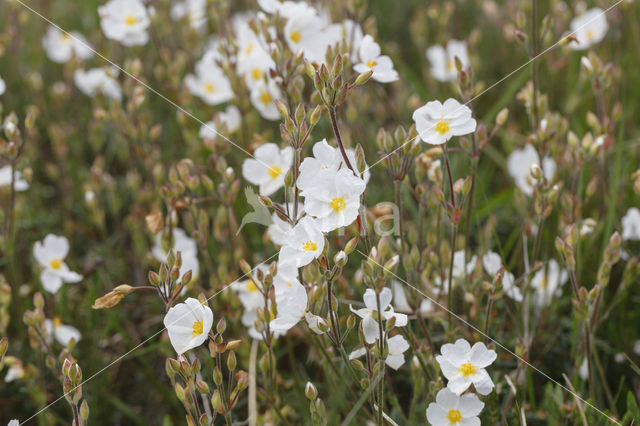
<point x="66" y="37"/>
<point x="209" y="87"/>
<point x="544" y="283"/>
<point x="309" y="246"/>
<point x="454" y="416"/>
<point x="338" y="204"/>
<point x="248" y="49"/>
<point x="57" y="322"/>
<point x="295" y="37"/>
<point x="265" y="97"/>
<point x="197" y="328"/>
<point x="275" y="171"/>
<point x="467" y="369"/>
<point x="451" y="64"/>
<point x="251" y="286"/>
<point x="55" y="263"/>
<point x="442" y="127"/>
<point x="371" y="63"/>
<point x="130" y="20"/>
<point x="289" y="284"/>
<point x="590" y="35"/>
<point x="256" y="73"/>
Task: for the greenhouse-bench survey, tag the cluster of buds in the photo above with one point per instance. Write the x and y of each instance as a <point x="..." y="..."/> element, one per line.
<point x="545" y="193"/>
<point x="167" y="280"/>
<point x="316" y="406"/>
<point x="329" y="84"/>
<point x="72" y="387"/>
<point x="398" y="149"/>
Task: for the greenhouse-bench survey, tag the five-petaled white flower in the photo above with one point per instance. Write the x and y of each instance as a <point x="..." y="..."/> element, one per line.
<point x="371" y="60"/>
<point x="547" y="283"/>
<point x="125" y="21"/>
<point x="98" y="80"/>
<point x="519" y="165"/>
<point x="307" y="31"/>
<point x="450" y="409"/>
<point x="188" y="324"/>
<point x="291" y="300"/>
<point x="589" y="29"/>
<point x="230" y="120"/>
<point x="61" y="46"/>
<point x="335" y="202"/>
<point x="19" y="184"/>
<point x="195" y="11"/>
<point x="209" y="82"/>
<point x="303" y="243"/>
<point x="397" y="345"/>
<point x="463" y="365"/>
<point x="62" y="333"/>
<point x="263" y="96"/>
<point x="370" y="311"/>
<point x="442" y="59"/>
<point x="268" y="167"/>
<point x="492" y="264"/>
<point x="50" y="254"/>
<point x="631" y="224"/>
<point x="436" y="123"/>
<point x="181" y="243"/>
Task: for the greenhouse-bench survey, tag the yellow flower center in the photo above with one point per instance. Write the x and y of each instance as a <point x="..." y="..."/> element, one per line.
<point x="275" y="171"/>
<point x="130" y="20"/>
<point x="544" y="283"/>
<point x="467" y="369"/>
<point x="256" y="73"/>
<point x="197" y="328"/>
<point x="338" y="204"/>
<point x="265" y="97"/>
<point x="454" y="416"/>
<point x="309" y="246"/>
<point x="371" y="63"/>
<point x="295" y="37"/>
<point x="442" y="127"/>
<point x="451" y="64"/>
<point x="55" y="263"/>
<point x="57" y="322"/>
<point x="209" y="87"/>
<point x="248" y="49"/>
<point x="590" y="35"/>
<point x="66" y="37"/>
<point x="289" y="284"/>
<point x="251" y="286"/>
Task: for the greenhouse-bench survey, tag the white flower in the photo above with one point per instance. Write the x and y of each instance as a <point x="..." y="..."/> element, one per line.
<point x="492" y="264"/>
<point x="336" y="201"/>
<point x="324" y="164"/>
<point x="194" y="10"/>
<point x="14" y="422"/>
<point x="15" y="370"/>
<point x="125" y="21"/>
<point x="253" y="61"/>
<point x="369" y="322"/>
<point x="61" y="46"/>
<point x="397" y="345"/>
<point x="209" y="82"/>
<point x="443" y="65"/>
<point x="98" y="80"/>
<point x="519" y="165"/>
<point x="268" y="168"/>
<point x="353" y="35"/>
<point x="583" y="370"/>
<point x="631" y="224"/>
<point x="453" y="410"/>
<point x="463" y="365"/>
<point x="279" y="228"/>
<point x="263" y="95"/>
<point x="459" y="268"/>
<point x="229" y="118"/>
<point x="636" y="347"/>
<point x="50" y="254"/>
<point x="401" y="304"/>
<point x="436" y="123"/>
<point x="371" y="60"/>
<point x="19" y="184"/>
<point x="316" y="323"/>
<point x="188" y="324"/>
<point x="291" y="300"/>
<point x="589" y="28"/>
<point x="62" y="333"/>
<point x="547" y="284"/>
<point x="181" y="243"/>
<point x="250" y="295"/>
<point x="308" y="32"/>
<point x="303" y="243"/>
<point x="3" y="86"/>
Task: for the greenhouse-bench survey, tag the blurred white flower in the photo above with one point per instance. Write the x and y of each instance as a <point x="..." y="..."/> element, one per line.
<point x="369" y="322"/>
<point x="371" y="60"/>
<point x="188" y="324"/>
<point x="229" y="118"/>
<point x="492" y="264"/>
<point x="450" y="409"/>
<point x="125" y="21"/>
<point x="279" y="228"/>
<point x="15" y="370"/>
<point x="268" y="168"/>
<point x="464" y="365"/>
<point x="519" y="165"/>
<point x="589" y="28"/>
<point x="263" y="95"/>
<point x="442" y="59"/>
<point x="50" y="254"/>
<point x="19" y="184"/>
<point x="195" y="11"/>
<point x="401" y="304"/>
<point x="316" y="324"/>
<point x="324" y="164"/>
<point x="353" y="35"/>
<point x="636" y="347"/>
<point x="436" y="123"/>
<point x="631" y="224"/>
<point x="98" y="80"/>
<point x="62" y="333"/>
<point x="583" y="371"/>
<point x="303" y="243"/>
<point x="253" y="62"/>
<point x="14" y="422"/>
<point x="547" y="283"/>
<point x="61" y="46"/>
<point x="335" y="202"/>
<point x="307" y="31"/>
<point x="397" y="345"/>
<point x="181" y="243"/>
<point x="3" y="86"/>
<point x="291" y="300"/>
<point x="209" y="82"/>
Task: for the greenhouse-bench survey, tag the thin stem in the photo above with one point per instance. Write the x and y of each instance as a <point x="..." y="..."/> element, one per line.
<point x="487" y="320"/>
<point x="336" y="132"/>
<point x="396" y="188"/>
<point x="382" y="361"/>
<point x="534" y="64"/>
<point x="474" y="169"/>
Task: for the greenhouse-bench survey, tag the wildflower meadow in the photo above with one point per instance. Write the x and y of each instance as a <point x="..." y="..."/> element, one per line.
<point x="321" y="212"/>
